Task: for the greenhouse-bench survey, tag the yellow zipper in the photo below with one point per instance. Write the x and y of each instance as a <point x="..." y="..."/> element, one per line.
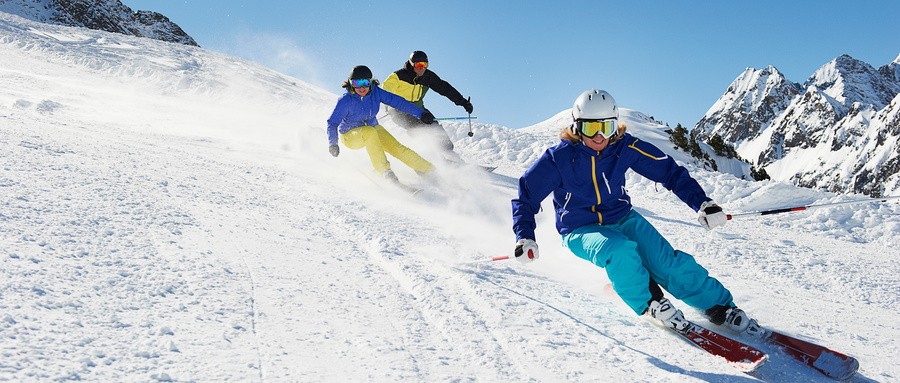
<point x="596" y="188"/>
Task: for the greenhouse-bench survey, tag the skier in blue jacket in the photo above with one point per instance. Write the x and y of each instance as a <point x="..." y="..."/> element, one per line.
<point x="353" y="121"/>
<point x="586" y="174"/>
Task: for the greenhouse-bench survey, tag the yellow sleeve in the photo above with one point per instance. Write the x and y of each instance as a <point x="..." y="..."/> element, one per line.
<point x="391" y="84"/>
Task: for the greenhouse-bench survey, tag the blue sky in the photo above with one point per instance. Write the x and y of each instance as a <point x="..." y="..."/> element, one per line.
<point x="522" y="62"/>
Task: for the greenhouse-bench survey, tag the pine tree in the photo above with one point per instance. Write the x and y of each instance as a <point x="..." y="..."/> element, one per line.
<point x="684" y="141"/>
<point x="721" y="147"/>
<point x="679" y="137"/>
<point x="759" y="174"/>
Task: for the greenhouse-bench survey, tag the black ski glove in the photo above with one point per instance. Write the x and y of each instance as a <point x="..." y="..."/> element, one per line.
<point x="334" y="150"/>
<point x="468" y="106"/>
<point x="427" y="117"/>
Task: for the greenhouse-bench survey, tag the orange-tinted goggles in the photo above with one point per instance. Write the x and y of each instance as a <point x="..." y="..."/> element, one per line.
<point x="591" y="128"/>
<point x="420" y="65"/>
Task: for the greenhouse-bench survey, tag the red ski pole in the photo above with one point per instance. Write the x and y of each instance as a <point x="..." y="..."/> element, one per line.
<point x="809" y="207"/>
<point x="499" y="258"/>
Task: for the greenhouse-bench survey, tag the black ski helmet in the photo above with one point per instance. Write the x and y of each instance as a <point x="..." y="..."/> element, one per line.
<point x="360" y="72"/>
<point x="418" y="56"/>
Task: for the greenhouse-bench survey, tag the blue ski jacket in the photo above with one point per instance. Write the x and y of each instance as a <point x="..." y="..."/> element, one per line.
<point x="353" y="111"/>
<point x="589" y="187"/>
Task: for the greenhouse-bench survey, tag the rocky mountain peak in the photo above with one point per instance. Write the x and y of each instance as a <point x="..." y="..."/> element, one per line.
<point x="848" y="80"/>
<point x="839" y="131"/>
<point x="891" y="72"/>
<point x="750" y="102"/>
<point x="105" y="15"/>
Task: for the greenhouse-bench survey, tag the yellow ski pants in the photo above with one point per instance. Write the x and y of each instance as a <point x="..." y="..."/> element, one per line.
<point x="377" y="140"/>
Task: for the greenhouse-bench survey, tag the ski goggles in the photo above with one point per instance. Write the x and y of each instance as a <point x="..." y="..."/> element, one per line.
<point x="361" y="83"/>
<point x="590" y="128"/>
<point x="420" y="65"/>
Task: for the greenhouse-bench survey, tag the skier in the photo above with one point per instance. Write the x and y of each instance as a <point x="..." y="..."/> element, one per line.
<point x="412" y="82"/>
<point x="586" y="174"/>
<point x="353" y="120"/>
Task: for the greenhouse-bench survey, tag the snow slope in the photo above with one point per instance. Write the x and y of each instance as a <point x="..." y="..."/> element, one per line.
<point x="172" y="214"/>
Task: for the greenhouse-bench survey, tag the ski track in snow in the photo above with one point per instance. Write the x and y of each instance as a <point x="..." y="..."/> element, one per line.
<point x="206" y="235"/>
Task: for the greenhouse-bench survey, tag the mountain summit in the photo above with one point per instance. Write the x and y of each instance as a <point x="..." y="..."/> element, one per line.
<point x="839" y="131"/>
<point x="104" y="15"/>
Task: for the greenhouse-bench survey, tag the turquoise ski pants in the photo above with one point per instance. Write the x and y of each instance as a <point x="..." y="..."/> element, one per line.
<point x="632" y="252"/>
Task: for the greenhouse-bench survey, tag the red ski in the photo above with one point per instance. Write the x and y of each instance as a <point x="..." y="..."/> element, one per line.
<point x="740" y="355"/>
<point x="830" y="363"/>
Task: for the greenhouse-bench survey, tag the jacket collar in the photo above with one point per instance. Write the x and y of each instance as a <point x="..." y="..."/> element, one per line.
<point x="580" y="147"/>
<point x="591" y="152"/>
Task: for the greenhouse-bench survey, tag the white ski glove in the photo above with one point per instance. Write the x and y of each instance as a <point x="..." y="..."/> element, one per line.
<point x="526" y="250"/>
<point x="711" y="215"/>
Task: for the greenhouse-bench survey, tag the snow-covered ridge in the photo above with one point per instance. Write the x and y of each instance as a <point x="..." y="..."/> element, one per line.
<point x="837" y="131"/>
<point x="104" y="15"/>
<point x="761" y="93"/>
<point x="848" y="81"/>
<point x="161" y="75"/>
<point x="172" y="214"/>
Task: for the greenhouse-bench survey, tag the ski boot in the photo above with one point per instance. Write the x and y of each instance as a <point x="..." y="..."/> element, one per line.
<point x="663" y="311"/>
<point x="735" y="320"/>
<point x="390" y="176"/>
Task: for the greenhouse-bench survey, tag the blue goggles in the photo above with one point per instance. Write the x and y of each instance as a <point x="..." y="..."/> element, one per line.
<point x="361" y="83"/>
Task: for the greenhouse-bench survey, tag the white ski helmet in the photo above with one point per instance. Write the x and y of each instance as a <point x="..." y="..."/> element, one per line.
<point x="594" y="104"/>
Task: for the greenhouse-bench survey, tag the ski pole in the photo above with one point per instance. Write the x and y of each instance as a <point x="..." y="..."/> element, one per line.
<point x="809" y="207"/>
<point x="494" y="259"/>
<point x="470" y="118"/>
<point x="453" y="118"/>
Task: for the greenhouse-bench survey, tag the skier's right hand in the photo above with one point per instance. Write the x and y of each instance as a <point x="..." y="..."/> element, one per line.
<point x="427" y="117"/>
<point x="526" y="250"/>
<point x="334" y="150"/>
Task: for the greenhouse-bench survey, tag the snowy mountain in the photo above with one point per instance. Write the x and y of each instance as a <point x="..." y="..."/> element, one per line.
<point x="838" y="131"/>
<point x="891" y="72"/>
<point x="748" y="105"/>
<point x="104" y="15"/>
<point x="172" y="214"/>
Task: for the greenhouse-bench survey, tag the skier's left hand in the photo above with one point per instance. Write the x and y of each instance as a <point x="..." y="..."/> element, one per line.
<point x="468" y="107"/>
<point x="427" y="117"/>
<point x="711" y="215"/>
